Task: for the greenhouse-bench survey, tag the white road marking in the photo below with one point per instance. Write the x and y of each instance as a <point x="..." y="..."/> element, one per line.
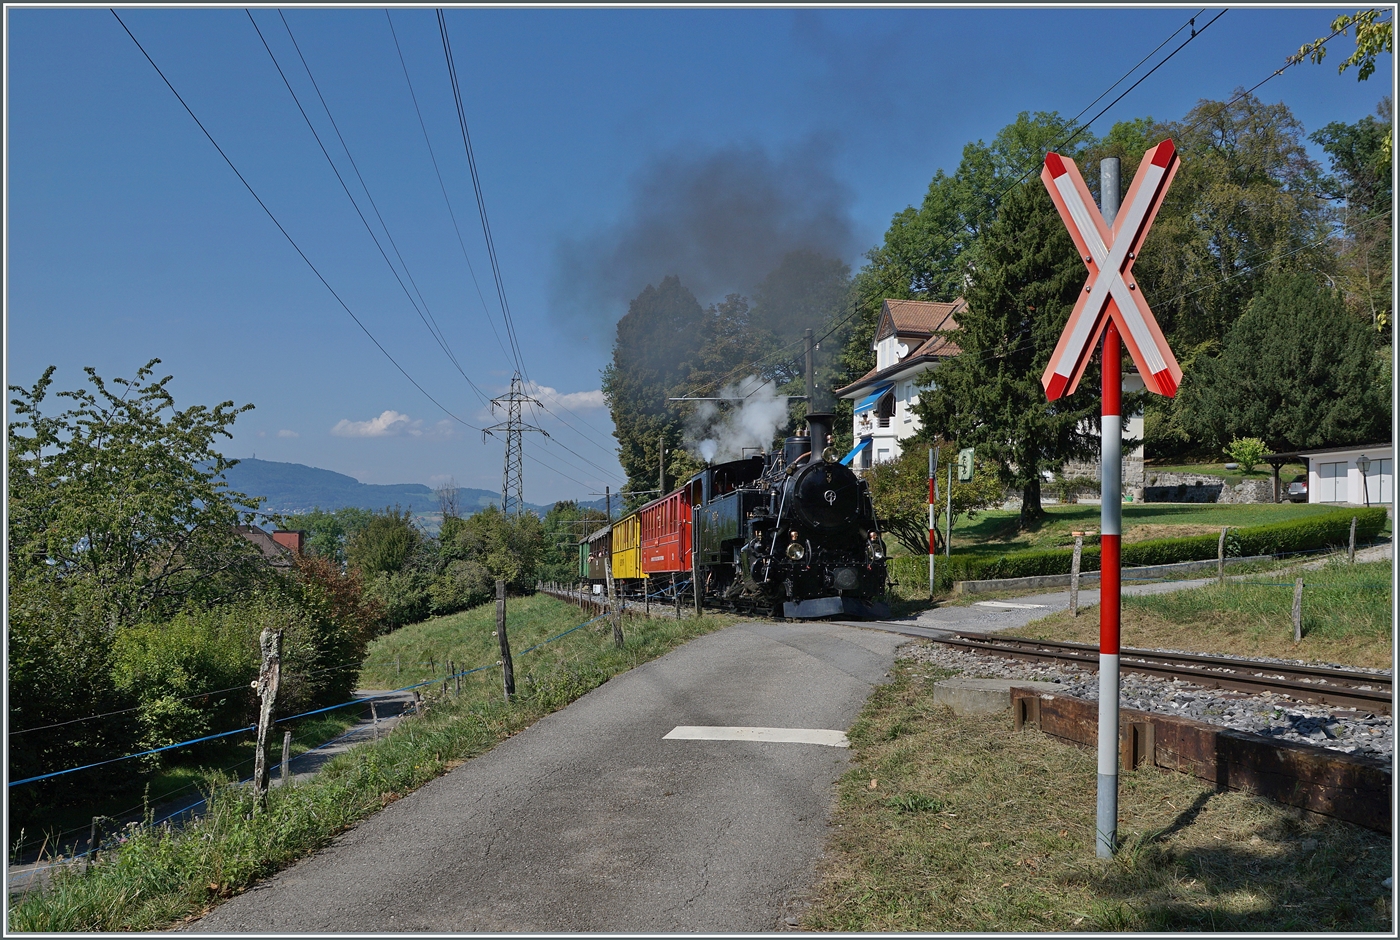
<point x="1008" y="604"/>
<point x="772" y="735"/>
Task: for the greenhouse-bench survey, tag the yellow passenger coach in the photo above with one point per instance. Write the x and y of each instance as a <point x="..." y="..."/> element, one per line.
<point x="627" y="548"/>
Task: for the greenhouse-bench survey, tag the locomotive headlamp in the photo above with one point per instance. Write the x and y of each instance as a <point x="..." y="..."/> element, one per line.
<point x="829" y="455"/>
<point x="796" y="551"/>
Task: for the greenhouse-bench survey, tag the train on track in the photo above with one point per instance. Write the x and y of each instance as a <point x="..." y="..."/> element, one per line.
<point x="791" y="533"/>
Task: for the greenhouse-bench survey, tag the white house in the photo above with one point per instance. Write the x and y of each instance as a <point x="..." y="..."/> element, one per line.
<point x="907" y="344"/>
<point x="1334" y="475"/>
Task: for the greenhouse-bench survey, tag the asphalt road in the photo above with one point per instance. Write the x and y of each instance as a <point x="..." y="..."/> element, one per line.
<point x="590" y="821"/>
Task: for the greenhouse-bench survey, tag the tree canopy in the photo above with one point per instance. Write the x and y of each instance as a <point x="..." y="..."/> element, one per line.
<point x="1297" y="371"/>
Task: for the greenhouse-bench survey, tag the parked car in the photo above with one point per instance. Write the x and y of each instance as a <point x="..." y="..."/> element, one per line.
<point x="1298" y="489"/>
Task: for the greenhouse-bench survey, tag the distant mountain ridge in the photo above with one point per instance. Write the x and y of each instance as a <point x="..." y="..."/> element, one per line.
<point x="297" y="488"/>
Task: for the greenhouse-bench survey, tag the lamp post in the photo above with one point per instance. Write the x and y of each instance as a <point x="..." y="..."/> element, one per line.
<point x="1363" y="465"/>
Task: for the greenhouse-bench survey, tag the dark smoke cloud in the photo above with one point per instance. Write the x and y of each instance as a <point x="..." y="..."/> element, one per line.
<point x="720" y="220"/>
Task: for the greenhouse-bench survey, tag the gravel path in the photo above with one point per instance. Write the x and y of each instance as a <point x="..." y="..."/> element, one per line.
<point x="1277" y="716"/>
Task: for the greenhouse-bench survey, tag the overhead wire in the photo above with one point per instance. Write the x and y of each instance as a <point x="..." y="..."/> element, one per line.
<point x="285" y="234"/>
<point x="443" y="188"/>
<point x="344" y="186"/>
<point x="480" y="197"/>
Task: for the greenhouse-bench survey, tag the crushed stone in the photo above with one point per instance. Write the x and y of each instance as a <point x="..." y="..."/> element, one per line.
<point x="1269" y="714"/>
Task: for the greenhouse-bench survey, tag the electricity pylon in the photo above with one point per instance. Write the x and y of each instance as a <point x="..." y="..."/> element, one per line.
<point x="513" y="479"/>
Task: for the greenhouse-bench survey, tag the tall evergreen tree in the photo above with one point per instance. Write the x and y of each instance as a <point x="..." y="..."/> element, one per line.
<point x="1027" y="275"/>
<point x="1296" y="371"/>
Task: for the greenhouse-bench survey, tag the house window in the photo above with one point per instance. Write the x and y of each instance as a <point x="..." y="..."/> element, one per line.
<point x="1332" y="482"/>
<point x="1379" y="485"/>
<point x="882" y="455"/>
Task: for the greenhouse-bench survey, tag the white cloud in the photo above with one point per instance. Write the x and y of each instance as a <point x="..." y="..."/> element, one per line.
<point x="285" y="433"/>
<point x="389" y="424"/>
<point x="392" y="424"/>
<point x="577" y="401"/>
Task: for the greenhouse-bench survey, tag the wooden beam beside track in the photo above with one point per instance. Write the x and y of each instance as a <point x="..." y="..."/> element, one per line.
<point x="1344" y="786"/>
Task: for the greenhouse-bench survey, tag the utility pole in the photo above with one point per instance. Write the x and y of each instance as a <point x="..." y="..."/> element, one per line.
<point x="607" y="497"/>
<point x="811" y="379"/>
<point x="661" y="479"/>
<point x="513" y="479"/>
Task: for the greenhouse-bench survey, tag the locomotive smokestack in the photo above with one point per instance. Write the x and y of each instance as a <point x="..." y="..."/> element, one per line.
<point x="818" y="428"/>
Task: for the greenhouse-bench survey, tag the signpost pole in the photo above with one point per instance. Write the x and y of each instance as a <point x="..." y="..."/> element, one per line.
<point x="932" y="502"/>
<point x="1111" y="528"/>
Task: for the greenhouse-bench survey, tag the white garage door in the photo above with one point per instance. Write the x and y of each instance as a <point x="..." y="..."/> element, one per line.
<point x="1332" y="485"/>
<point x="1379" y="485"/>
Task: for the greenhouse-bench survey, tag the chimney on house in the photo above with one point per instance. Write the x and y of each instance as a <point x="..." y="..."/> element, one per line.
<point x="291" y="540"/>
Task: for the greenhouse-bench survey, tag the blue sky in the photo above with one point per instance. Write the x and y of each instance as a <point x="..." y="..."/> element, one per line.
<point x="129" y="238"/>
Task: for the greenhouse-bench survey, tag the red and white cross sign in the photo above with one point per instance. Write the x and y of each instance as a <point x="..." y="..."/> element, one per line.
<point x="1111" y="291"/>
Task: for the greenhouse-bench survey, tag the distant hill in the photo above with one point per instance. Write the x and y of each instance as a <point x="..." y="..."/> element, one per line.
<point x="294" y="488"/>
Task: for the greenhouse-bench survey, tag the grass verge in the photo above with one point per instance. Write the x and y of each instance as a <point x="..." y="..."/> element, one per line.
<point x="961" y="824"/>
<point x="159" y="876"/>
<point x="1346" y="617"/>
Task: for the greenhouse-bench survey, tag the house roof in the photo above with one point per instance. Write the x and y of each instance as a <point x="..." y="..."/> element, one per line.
<point x="917" y="317"/>
<point x="922" y="317"/>
<point x="273" y="551"/>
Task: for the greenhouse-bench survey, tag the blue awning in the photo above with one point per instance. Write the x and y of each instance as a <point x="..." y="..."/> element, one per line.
<point x="864" y="443"/>
<point x="869" y="401"/>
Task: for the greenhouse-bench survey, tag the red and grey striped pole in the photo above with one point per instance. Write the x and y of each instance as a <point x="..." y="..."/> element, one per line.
<point x="1110" y="542"/>
<point x="932" y="528"/>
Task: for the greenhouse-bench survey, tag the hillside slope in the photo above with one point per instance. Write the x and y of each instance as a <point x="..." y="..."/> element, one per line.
<point x="294" y="487"/>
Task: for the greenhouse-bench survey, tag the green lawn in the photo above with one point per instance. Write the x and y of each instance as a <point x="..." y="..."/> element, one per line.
<point x="1346" y="617"/>
<point x="1232" y="477"/>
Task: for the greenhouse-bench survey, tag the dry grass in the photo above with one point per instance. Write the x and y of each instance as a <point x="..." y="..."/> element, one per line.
<point x="961" y="824"/>
<point x="1346" y="618"/>
<point x="1147" y="531"/>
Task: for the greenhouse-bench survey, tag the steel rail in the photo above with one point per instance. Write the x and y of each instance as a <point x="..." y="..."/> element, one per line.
<point x="1316" y="684"/>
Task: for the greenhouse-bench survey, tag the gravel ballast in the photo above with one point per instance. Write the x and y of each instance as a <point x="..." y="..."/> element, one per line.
<point x="1268" y="714"/>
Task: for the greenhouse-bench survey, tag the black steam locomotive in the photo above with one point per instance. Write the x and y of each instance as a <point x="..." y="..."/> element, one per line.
<point x="792" y="533"/>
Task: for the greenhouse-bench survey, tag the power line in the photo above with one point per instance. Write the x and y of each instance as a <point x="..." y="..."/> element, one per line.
<point x="443" y="187"/>
<point x="285" y="234"/>
<point x="480" y="198"/>
<point x="368" y="228"/>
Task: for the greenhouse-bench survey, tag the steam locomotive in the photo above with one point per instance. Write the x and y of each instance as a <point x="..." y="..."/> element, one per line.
<point x="791" y="533"/>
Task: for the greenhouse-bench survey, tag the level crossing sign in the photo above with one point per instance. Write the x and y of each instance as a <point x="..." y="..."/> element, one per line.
<point x="1111" y="293"/>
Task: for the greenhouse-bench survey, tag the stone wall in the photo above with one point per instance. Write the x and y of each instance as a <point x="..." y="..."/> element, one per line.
<point x="1249" y="491"/>
<point x="1202" y="488"/>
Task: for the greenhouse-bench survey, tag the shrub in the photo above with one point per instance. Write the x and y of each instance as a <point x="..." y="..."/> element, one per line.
<point x="404" y="596"/>
<point x="197" y="652"/>
<point x="1247" y="452"/>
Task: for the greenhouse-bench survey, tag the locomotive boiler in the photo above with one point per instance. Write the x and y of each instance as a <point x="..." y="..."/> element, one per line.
<point x="792" y="532"/>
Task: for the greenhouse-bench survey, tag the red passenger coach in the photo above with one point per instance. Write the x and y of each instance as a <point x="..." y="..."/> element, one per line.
<point x="666" y="538"/>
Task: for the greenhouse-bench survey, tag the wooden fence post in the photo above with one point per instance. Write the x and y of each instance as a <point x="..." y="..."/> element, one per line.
<point x="374" y="717"/>
<point x="1297" y="610"/>
<point x="612" y="603"/>
<point x="1220" y="557"/>
<point x="1074" y="574"/>
<point x="1351" y="543"/>
<point x="286" y="757"/>
<point x="92" y="844"/>
<point x="675" y="595"/>
<point x="507" y="668"/>
<point x="269" y="676"/>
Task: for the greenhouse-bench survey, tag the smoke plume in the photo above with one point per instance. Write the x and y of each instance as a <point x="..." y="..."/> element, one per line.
<point x="721" y="221"/>
<point x="719" y="431"/>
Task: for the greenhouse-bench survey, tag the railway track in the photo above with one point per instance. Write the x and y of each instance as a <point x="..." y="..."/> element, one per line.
<point x="1365" y="691"/>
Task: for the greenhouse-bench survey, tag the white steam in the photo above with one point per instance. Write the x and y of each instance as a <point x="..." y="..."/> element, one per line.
<point x="719" y="431"/>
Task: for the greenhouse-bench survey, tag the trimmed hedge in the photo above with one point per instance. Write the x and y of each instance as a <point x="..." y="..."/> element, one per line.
<point x="1276" y="538"/>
